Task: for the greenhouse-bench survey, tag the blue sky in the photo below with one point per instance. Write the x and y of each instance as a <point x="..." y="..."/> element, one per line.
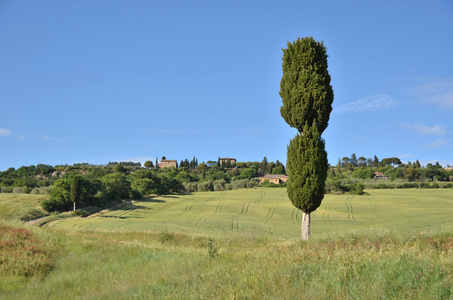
<point x="99" y="81"/>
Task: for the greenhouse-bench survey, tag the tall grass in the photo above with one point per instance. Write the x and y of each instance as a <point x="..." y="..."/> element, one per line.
<point x="118" y="265"/>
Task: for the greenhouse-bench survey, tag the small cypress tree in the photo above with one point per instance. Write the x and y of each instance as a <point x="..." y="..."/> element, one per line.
<point x="76" y="190"/>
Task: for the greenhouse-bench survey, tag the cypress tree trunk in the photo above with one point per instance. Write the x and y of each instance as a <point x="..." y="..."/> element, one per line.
<point x="305" y="226"/>
<point x="74" y="206"/>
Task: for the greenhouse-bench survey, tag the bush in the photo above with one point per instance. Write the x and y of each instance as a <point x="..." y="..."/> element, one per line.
<point x="18" y="190"/>
<point x="190" y="187"/>
<point x="32" y="214"/>
<point x="219" y="185"/>
<point x="357" y="189"/>
<point x="59" y="199"/>
<point x="81" y="213"/>
<point x="6" y="189"/>
<point x="206" y="186"/>
<point x="135" y="194"/>
<point x="166" y="237"/>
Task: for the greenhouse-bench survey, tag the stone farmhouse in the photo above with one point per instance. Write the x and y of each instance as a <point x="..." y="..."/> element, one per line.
<point x="167" y="163"/>
<point x="226" y="159"/>
<point x="379" y="175"/>
<point x="276" y="179"/>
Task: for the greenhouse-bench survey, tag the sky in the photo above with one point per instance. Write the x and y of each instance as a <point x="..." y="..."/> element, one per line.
<point x="94" y="81"/>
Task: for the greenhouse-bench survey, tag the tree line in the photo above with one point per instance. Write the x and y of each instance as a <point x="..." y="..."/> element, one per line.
<point x="353" y="175"/>
<point x="86" y="185"/>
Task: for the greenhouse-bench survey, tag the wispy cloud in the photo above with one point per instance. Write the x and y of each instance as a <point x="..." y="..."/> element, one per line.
<point x="172" y="131"/>
<point x="368" y="104"/>
<point x="437" y="144"/>
<point x="5" y="132"/>
<point x="48" y="138"/>
<point x="434" y="92"/>
<point x="425" y="130"/>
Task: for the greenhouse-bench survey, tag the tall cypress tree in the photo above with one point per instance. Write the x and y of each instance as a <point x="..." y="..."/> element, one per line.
<point x="307" y="102"/>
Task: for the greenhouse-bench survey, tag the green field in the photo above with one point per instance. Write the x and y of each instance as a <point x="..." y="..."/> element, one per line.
<point x="268" y="211"/>
<point x="241" y="244"/>
<point x="13" y="206"/>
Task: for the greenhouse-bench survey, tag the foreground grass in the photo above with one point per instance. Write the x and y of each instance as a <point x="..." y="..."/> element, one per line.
<point x="165" y="265"/>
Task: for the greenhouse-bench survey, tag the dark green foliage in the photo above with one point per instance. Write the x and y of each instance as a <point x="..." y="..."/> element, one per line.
<point x="116" y="186"/>
<point x="76" y="189"/>
<point x="307" y="169"/>
<point x="212" y="250"/>
<point x="60" y="197"/>
<point x="166" y="237"/>
<point x="305" y="85"/>
<point x="32" y="214"/>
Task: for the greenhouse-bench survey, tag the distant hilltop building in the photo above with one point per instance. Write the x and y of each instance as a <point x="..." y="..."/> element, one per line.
<point x="226" y="160"/>
<point x="276" y="179"/>
<point x="379" y="175"/>
<point x="167" y="163"/>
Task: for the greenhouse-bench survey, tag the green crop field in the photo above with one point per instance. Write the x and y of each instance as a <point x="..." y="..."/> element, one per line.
<point x="242" y="244"/>
<point x="12" y="206"/>
<point x="268" y="211"/>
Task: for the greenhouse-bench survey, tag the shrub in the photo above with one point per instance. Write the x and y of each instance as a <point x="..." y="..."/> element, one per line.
<point x="81" y="213"/>
<point x="18" y="190"/>
<point x="6" y="189"/>
<point x="219" y="185"/>
<point x="190" y="186"/>
<point x="166" y="237"/>
<point x="205" y="186"/>
<point x="135" y="194"/>
<point x="357" y="189"/>
<point x="59" y="199"/>
<point x="32" y="214"/>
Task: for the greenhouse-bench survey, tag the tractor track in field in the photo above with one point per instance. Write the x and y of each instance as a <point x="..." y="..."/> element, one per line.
<point x="201" y="222"/>
<point x="293" y="216"/>
<point x="397" y="204"/>
<point x="165" y="207"/>
<point x="326" y="217"/>
<point x="270" y="214"/>
<point x="245" y="209"/>
<point x="234" y="223"/>
<point x="327" y="212"/>
<point x="350" y="209"/>
<point x="219" y="207"/>
<point x="185" y="211"/>
<point x="282" y="196"/>
<point x="239" y="197"/>
<point x="260" y="197"/>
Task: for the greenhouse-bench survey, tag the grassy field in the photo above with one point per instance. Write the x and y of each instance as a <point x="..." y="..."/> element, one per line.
<point x="13" y="206"/>
<point x="268" y="211"/>
<point x="245" y="244"/>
